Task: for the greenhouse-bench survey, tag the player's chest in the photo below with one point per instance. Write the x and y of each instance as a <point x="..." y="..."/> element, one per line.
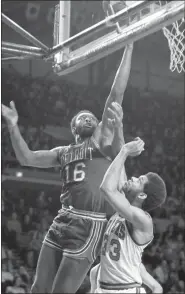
<point x="114" y="239"/>
<point x="82" y="163"/>
<point x="79" y="153"/>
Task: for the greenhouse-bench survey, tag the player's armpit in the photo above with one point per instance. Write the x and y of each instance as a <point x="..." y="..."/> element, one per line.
<point x="44" y="158"/>
<point x="103" y="135"/>
<point x="110" y="130"/>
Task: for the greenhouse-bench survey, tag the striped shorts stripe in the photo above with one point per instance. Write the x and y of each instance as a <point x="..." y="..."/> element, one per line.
<point x="78" y="234"/>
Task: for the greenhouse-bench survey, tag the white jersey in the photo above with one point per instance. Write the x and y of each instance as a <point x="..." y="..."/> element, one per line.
<point x="120" y="255"/>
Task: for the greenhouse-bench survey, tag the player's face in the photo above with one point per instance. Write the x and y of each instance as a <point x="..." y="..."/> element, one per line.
<point x="134" y="187"/>
<point x="85" y="124"/>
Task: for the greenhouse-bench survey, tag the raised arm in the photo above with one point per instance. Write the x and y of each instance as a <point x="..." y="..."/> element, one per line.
<point x="26" y="157"/>
<point x="118" y="139"/>
<point x="111" y="187"/>
<point x="116" y="94"/>
<point x="121" y="79"/>
<point x="116" y="123"/>
<point x="149" y="281"/>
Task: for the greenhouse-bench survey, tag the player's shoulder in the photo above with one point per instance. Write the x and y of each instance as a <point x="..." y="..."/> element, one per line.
<point x="148" y="215"/>
<point x="140" y="216"/>
<point x="141" y="211"/>
<point x="61" y="148"/>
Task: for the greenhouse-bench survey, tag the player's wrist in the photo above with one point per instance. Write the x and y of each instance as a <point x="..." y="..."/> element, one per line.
<point x="118" y="126"/>
<point x="130" y="46"/>
<point x="11" y="125"/>
<point x="125" y="151"/>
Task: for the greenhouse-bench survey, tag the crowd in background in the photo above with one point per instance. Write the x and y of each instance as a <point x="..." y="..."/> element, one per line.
<point x="158" y="120"/>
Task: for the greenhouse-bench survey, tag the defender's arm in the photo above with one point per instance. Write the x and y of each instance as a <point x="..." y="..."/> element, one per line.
<point x="110" y="188"/>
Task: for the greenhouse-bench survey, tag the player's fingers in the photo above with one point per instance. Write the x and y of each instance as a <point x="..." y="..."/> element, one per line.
<point x="116" y="104"/>
<point x="117" y="107"/>
<point x="12" y="105"/>
<point x="4" y="108"/>
<point x="137" y="138"/>
<point x="112" y="112"/>
<point x="140" y="144"/>
<point x="111" y="122"/>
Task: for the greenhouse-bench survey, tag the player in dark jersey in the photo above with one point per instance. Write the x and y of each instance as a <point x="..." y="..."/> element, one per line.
<point x="74" y="238"/>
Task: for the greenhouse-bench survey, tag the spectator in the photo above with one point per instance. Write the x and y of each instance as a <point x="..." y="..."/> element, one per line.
<point x="14" y="224"/>
<point x="18" y="287"/>
<point x="181" y="271"/>
<point x="6" y="277"/>
<point x="14" y="229"/>
<point x="21" y="207"/>
<point x="24" y="275"/>
<point x="27" y="224"/>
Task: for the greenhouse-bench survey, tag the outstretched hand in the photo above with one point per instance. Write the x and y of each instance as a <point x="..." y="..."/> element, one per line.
<point x="10" y="114"/>
<point x="134" y="148"/>
<point x="115" y="115"/>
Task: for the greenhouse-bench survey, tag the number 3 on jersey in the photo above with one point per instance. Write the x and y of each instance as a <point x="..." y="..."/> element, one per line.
<point x="113" y="248"/>
<point x="74" y="172"/>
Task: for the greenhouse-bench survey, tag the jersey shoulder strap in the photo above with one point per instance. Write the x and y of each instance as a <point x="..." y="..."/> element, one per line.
<point x="95" y="143"/>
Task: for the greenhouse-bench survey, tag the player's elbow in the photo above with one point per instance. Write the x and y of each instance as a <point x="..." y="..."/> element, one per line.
<point x="158" y="289"/>
<point x="104" y="187"/>
<point x="28" y="159"/>
<point x="23" y="160"/>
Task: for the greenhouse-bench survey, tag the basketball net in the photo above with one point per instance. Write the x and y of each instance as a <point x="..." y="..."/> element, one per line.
<point x="176" y="42"/>
<point x="175" y="35"/>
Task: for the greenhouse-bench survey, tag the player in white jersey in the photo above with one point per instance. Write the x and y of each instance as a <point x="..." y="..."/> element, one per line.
<point x="130" y="230"/>
<point x="147" y="279"/>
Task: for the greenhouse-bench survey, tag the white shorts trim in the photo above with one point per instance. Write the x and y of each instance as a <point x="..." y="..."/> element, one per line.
<point x="131" y="291"/>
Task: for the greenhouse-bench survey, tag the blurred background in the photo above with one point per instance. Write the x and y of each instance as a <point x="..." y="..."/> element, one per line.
<point x="153" y="110"/>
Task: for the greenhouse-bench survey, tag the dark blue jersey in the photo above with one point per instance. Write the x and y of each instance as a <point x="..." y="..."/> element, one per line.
<point x="83" y="167"/>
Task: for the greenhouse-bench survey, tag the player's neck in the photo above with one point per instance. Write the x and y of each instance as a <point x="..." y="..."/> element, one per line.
<point x="137" y="203"/>
<point x="79" y="140"/>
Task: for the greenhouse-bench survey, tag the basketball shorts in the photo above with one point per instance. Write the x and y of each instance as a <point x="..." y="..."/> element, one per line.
<point x="78" y="234"/>
<point x="135" y="290"/>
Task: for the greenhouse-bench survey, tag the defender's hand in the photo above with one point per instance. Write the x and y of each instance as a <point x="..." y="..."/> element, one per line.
<point x="10" y="114"/>
<point x="115" y="115"/>
<point x="134" y="148"/>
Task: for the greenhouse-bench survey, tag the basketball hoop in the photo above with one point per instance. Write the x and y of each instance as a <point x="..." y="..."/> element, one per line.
<point x="176" y="39"/>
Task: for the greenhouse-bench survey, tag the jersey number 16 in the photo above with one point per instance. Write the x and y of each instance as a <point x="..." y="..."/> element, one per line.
<point x="74" y="172"/>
